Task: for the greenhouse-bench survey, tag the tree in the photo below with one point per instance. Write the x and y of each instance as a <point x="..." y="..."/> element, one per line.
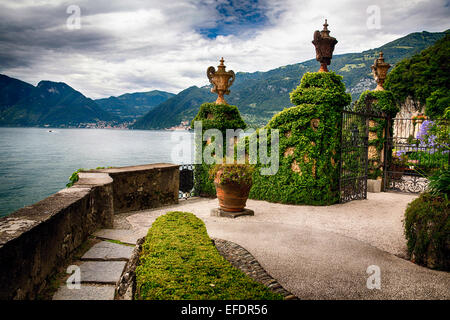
<point x="425" y="75"/>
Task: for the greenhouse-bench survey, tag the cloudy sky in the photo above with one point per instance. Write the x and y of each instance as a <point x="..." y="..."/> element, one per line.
<point x="121" y="46"/>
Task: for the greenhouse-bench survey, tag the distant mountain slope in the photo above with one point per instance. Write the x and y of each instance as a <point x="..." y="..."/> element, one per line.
<point x="182" y="106"/>
<point x="49" y="103"/>
<point x="260" y="95"/>
<point x="12" y="90"/>
<point x="130" y="106"/>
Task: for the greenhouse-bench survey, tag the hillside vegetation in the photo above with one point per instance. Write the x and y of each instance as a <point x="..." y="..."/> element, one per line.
<point x="130" y="106"/>
<point x="425" y="77"/>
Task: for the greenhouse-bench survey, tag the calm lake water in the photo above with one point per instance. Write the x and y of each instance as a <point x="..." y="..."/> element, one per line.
<point x="35" y="163"/>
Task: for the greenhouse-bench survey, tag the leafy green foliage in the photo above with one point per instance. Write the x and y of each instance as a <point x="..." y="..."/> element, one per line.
<point x="179" y="261"/>
<point x="423" y="76"/>
<point x="378" y="102"/>
<point x="440" y="183"/>
<point x="203" y="184"/>
<point x="74" y="178"/>
<point x="213" y="116"/>
<point x="437" y="102"/>
<point x="219" y="116"/>
<point x="321" y="88"/>
<point x="309" y="145"/>
<point x="232" y="173"/>
<point x="427" y="230"/>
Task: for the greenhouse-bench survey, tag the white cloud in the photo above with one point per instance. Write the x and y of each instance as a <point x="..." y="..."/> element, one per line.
<point x="136" y="45"/>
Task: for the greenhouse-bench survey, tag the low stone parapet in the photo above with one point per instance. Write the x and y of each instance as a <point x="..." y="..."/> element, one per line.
<point x="36" y="241"/>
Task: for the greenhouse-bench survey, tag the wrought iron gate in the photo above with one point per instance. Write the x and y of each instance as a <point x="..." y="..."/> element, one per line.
<point x="186" y="188"/>
<point x="354" y="156"/>
<point x="414" y="154"/>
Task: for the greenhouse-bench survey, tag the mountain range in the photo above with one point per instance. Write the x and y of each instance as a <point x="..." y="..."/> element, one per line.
<point x="57" y="104"/>
<point x="49" y="103"/>
<point x="258" y="95"/>
<point x="131" y="106"/>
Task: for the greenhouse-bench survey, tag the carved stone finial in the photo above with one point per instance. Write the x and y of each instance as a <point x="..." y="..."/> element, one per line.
<point x="221" y="81"/>
<point x="324" y="47"/>
<point x="379" y="70"/>
<point x="325" y="31"/>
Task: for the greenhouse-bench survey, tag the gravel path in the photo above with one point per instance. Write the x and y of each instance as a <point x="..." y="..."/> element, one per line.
<point x="323" y="252"/>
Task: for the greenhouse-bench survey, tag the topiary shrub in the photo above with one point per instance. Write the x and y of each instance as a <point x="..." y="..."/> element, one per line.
<point x="378" y="102"/>
<point x="427" y="231"/>
<point x="219" y="116"/>
<point x="213" y="116"/>
<point x="309" y="144"/>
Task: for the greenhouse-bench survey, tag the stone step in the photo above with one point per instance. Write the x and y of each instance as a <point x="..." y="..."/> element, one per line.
<point x="86" y="292"/>
<point x="108" y="251"/>
<point x="107" y="272"/>
<point x="122" y="235"/>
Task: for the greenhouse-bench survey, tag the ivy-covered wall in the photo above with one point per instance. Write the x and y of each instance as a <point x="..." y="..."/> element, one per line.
<point x="213" y="116"/>
<point x="309" y="144"/>
<point x="378" y="102"/>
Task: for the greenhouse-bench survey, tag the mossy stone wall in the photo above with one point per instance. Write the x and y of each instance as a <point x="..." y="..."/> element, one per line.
<point x="213" y="116"/>
<point x="380" y="103"/>
<point x="309" y="144"/>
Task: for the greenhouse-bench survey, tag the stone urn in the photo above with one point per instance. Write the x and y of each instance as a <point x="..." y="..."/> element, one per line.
<point x="221" y="81"/>
<point x="379" y="70"/>
<point x="324" y="45"/>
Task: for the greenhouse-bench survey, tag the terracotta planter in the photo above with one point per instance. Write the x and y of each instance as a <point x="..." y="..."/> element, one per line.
<point x="233" y="196"/>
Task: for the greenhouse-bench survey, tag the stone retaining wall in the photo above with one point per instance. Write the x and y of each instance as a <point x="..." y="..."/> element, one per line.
<point x="36" y="241"/>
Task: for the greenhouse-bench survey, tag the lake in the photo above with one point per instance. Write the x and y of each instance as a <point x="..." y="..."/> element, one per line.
<point x="35" y="163"/>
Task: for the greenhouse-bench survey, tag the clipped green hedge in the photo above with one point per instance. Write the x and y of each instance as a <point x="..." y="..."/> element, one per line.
<point x="179" y="261"/>
<point x="309" y="145"/>
<point x="377" y="102"/>
<point x="213" y="116"/>
<point x="427" y="230"/>
<point x="219" y="116"/>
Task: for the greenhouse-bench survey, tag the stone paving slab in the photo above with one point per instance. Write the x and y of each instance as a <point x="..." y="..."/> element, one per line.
<point x="86" y="292"/>
<point x="122" y="235"/>
<point x="108" y="251"/>
<point x="101" y="271"/>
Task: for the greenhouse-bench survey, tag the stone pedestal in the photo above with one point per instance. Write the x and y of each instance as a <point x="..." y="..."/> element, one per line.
<point x="373" y="185"/>
<point x="217" y="212"/>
